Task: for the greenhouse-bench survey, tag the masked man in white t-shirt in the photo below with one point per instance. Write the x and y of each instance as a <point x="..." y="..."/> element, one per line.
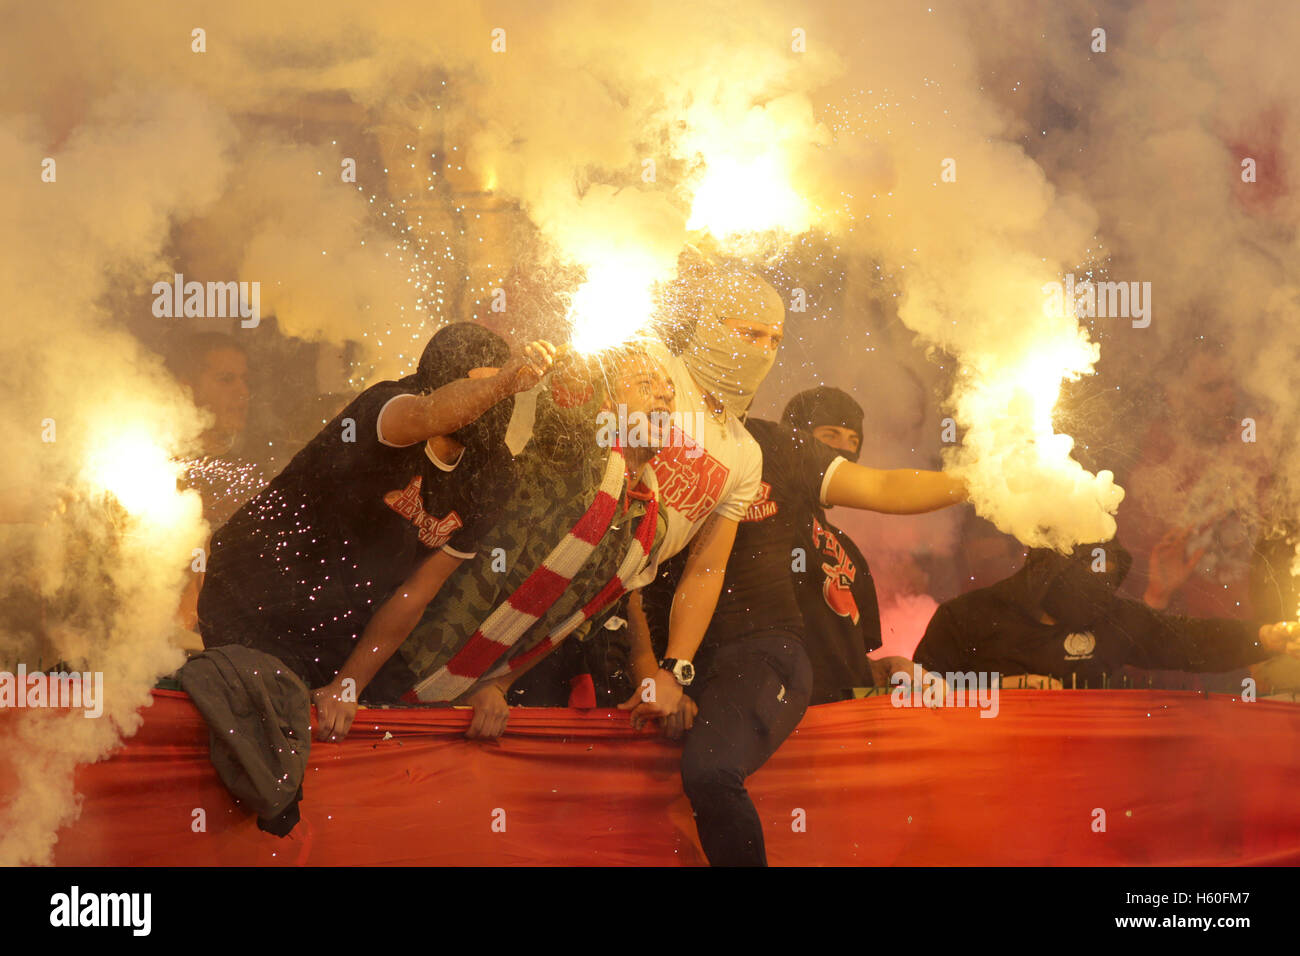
<point x="708" y="479"/>
<point x="749" y="698"/>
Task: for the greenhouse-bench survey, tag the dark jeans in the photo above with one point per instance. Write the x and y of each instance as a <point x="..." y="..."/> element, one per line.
<point x="752" y="698"/>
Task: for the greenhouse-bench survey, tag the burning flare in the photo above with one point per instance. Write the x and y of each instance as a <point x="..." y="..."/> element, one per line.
<point x="751" y="194"/>
<point x="132" y="467"/>
<point x="615" y="303"/>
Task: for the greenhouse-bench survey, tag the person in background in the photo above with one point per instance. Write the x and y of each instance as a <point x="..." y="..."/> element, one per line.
<point x="1275" y="596"/>
<point x="1059" y="617"/>
<point x="1191" y="503"/>
<point x="226" y="471"/>
<point x="215" y="369"/>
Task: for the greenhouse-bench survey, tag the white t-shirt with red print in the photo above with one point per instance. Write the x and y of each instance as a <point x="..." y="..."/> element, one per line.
<point x="715" y="468"/>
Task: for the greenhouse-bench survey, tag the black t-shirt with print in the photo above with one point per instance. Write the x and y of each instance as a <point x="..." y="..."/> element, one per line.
<point x="299" y="570"/>
<point x="790" y="568"/>
<point x="758" y="591"/>
<point x="837" y="596"/>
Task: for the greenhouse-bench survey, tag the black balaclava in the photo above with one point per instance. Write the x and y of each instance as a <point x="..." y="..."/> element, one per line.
<point x="450" y="355"/>
<point x="1068" y="589"/>
<point x="824" y="406"/>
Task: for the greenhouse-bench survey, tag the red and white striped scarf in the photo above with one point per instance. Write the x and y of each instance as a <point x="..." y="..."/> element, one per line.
<point x="541" y="589"/>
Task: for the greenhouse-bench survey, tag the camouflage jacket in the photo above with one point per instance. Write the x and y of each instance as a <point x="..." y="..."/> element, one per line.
<point x="559" y="473"/>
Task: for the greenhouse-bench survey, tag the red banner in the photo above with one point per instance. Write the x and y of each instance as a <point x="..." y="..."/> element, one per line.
<point x="1177" y="778"/>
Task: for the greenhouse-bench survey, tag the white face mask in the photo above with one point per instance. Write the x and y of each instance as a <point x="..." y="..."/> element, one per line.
<point x="726" y="366"/>
<point x="721" y="361"/>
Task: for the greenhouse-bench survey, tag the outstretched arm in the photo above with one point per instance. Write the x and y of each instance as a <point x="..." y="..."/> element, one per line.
<point x="696" y="597"/>
<point x="1172" y="642"/>
<point x="902" y="491"/>
<point x="646" y="673"/>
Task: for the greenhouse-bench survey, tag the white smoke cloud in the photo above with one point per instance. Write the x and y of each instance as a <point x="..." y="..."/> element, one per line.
<point x="105" y="580"/>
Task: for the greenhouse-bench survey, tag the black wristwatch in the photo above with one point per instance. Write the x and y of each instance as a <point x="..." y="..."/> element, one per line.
<point x="684" y="671"/>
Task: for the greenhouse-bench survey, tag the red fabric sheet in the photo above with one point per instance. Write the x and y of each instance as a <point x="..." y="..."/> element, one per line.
<point x="1183" y="778"/>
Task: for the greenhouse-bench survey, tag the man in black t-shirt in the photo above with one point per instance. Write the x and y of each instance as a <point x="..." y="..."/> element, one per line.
<point x="1059" y="619"/>
<point x="836" y="592"/>
<point x="430" y="622"/>
<point x="407" y="469"/>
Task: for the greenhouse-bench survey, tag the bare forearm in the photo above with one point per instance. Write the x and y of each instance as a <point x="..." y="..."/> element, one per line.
<point x="921" y="491"/>
<point x="643" y="661"/>
<point x="396" y="618"/>
<point x="382" y="636"/>
<point x="897" y="491"/>
<point x="455" y="405"/>
<point x="1155" y="598"/>
<point x="693" y="607"/>
<point x="697" y="593"/>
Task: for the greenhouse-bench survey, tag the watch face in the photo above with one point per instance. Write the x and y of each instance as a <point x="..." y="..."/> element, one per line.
<point x="686" y="671"/>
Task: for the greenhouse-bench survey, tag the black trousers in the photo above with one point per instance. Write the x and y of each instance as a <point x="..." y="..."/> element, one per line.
<point x="752" y="698"/>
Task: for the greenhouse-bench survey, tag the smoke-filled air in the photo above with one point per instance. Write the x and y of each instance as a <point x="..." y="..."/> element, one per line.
<point x="917" y="181"/>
